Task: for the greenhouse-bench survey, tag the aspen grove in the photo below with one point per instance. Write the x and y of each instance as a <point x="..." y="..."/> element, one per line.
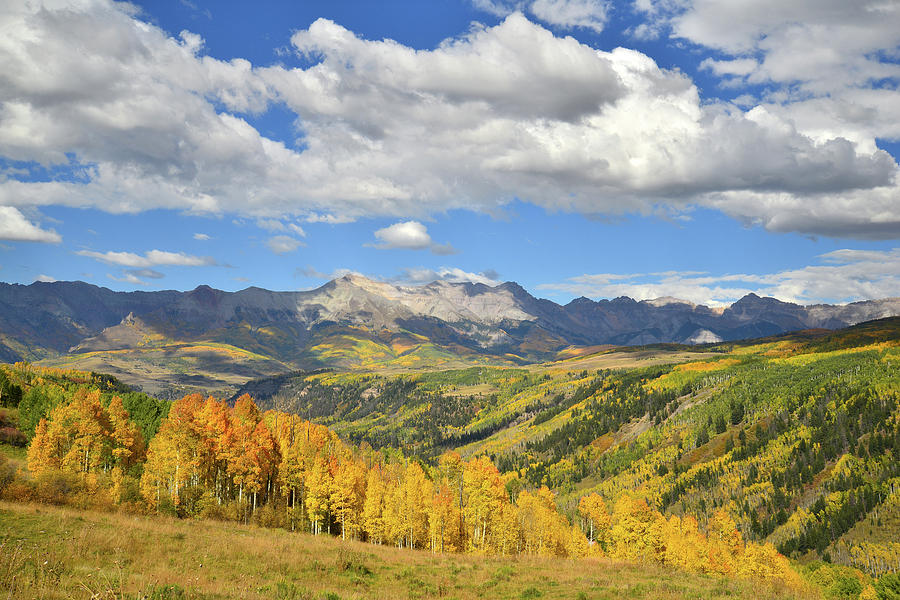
<point x="213" y="460"/>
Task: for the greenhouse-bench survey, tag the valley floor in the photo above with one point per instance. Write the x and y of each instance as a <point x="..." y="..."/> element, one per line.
<point x="55" y="552"/>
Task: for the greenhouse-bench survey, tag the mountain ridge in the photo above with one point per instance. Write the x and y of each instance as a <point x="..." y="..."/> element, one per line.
<point x="353" y="320"/>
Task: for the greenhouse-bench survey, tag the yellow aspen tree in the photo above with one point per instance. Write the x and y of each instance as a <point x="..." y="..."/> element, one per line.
<point x="450" y="465"/>
<point x="347" y="495"/>
<point x="578" y="545"/>
<point x="88" y="427"/>
<point x="128" y="442"/>
<point x="417" y="492"/>
<point x="485" y="495"/>
<point x="318" y="486"/>
<point x="174" y="455"/>
<point x="395" y="519"/>
<point x="637" y="531"/>
<point x="593" y="508"/>
<point x="685" y="545"/>
<point x="41" y="455"/>
<point x="373" y="507"/>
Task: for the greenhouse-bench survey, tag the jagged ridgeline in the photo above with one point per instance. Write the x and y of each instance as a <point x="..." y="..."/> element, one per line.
<point x="709" y="461"/>
<point x="171" y="343"/>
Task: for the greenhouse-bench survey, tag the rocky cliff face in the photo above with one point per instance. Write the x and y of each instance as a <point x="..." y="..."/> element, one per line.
<point x="47" y="319"/>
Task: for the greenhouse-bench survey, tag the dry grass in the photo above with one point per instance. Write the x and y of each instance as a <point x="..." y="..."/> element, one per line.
<point x="622" y="360"/>
<point x="53" y="552"/>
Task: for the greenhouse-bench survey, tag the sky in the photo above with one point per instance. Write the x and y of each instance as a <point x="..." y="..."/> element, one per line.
<point x="701" y="149"/>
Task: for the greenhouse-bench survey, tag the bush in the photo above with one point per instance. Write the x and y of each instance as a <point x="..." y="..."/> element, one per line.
<point x="13" y="437"/>
<point x="269" y="516"/>
<point x="888" y="587"/>
<point x="7" y="473"/>
<point x="56" y="487"/>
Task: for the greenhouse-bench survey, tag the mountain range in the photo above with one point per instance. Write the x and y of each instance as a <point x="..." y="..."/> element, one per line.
<point x="213" y="338"/>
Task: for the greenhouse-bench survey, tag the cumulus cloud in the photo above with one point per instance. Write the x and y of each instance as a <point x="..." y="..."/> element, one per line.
<point x="45" y="278"/>
<point x="409" y="235"/>
<point x="846" y="276"/>
<point x="569" y="14"/>
<point x="822" y="44"/>
<point x="150" y="259"/>
<point x="283" y="244"/>
<point x="566" y="14"/>
<point x="503" y="112"/>
<point x="828" y="66"/>
<point x="16" y="228"/>
<point x="201" y="237"/>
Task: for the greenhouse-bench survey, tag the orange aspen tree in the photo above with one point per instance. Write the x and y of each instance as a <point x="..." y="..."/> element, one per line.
<point x="725" y="543"/>
<point x="443" y="519"/>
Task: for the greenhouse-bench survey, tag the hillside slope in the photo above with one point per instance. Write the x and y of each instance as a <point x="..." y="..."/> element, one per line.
<point x="797" y="436"/>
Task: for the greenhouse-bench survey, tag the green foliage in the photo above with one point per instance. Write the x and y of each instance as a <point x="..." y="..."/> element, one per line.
<point x="888" y="586"/>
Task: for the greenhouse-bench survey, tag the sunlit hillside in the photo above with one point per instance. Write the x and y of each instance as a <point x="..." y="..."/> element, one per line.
<point x="725" y="460"/>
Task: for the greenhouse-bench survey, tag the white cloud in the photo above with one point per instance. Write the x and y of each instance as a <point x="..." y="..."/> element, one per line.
<point x="739" y="66"/>
<point x="150" y="259"/>
<point x="566" y="14"/>
<point x="503" y="112"/>
<point x="409" y="235"/>
<point x="45" y="278"/>
<point x="828" y="66"/>
<point x="15" y="227"/>
<point x="127" y="278"/>
<point x="421" y="275"/>
<point x="278" y="226"/>
<point x="145" y="273"/>
<point x="823" y="44"/>
<point x="283" y="244"/>
<point x="847" y="276"/>
<point x="201" y="236"/>
<point x="569" y="14"/>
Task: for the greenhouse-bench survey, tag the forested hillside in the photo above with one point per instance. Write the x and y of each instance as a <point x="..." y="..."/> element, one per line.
<point x="721" y="464"/>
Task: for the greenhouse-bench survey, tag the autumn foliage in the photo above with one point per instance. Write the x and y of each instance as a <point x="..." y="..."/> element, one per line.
<point x="215" y="460"/>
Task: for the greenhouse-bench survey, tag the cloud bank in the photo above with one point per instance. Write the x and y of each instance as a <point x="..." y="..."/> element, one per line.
<point x="845" y="276"/>
<point x="503" y="112"/>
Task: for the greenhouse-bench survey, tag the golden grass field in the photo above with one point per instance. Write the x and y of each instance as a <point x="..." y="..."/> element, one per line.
<point x="54" y="552"/>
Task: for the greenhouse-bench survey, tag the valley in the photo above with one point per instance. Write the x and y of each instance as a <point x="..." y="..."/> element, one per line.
<point x="791" y="439"/>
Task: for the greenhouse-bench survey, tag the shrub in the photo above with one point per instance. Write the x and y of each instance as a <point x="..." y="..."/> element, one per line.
<point x="888" y="587"/>
<point x="7" y="473"/>
<point x="55" y="487"/>
<point x="13" y="437"/>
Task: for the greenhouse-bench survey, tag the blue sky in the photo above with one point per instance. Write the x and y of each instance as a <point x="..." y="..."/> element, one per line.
<point x="695" y="149"/>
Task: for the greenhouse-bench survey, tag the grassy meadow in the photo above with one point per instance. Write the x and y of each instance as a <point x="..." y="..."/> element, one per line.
<point x="59" y="552"/>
